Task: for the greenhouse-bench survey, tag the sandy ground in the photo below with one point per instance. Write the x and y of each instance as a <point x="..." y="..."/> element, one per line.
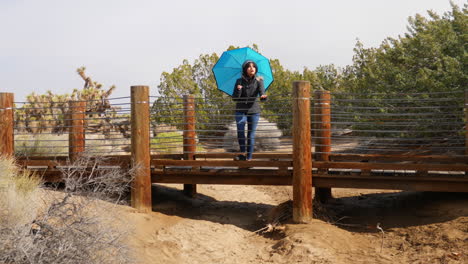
<point x="219" y="224"/>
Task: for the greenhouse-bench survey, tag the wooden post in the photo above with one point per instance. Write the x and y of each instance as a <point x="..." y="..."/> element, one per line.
<point x="76" y="136"/>
<point x="7" y="145"/>
<point x="466" y="123"/>
<point x="302" y="161"/>
<point x="322" y="118"/>
<point x="140" y="122"/>
<point x="466" y="128"/>
<point x="189" y="138"/>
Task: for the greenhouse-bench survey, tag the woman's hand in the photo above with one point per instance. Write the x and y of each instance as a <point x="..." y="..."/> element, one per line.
<point x="239" y="87"/>
<point x="263" y="96"/>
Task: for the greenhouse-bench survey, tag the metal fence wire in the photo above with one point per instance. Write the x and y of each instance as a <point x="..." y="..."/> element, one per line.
<point x="413" y="124"/>
<point x="419" y="124"/>
<point x="215" y="125"/>
<point x="43" y="128"/>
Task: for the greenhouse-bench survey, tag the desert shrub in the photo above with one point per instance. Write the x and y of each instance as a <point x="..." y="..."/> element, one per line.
<point x="18" y="191"/>
<point x="49" y="112"/>
<point x="68" y="226"/>
<point x="41" y="145"/>
<point x="87" y="177"/>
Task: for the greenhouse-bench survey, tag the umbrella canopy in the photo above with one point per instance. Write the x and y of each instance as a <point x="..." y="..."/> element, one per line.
<point x="229" y="68"/>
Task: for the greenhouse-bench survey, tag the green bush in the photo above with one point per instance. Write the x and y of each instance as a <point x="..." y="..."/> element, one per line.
<point x="170" y="142"/>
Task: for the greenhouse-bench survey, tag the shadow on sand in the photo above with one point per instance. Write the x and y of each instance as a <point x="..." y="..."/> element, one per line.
<point x="397" y="210"/>
<point x="172" y="201"/>
<point x="359" y="213"/>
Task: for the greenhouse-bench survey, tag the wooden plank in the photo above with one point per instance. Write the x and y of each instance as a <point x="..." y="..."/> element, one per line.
<point x="107" y="161"/>
<point x="251" y="173"/>
<point x="327" y="181"/>
<point x="274" y="156"/>
<point x="58" y="158"/>
<point x="391" y="166"/>
<point x="47" y="163"/>
<point x="415" y="183"/>
<point x="51" y="176"/>
<point x="221" y="179"/>
<point x="178" y="156"/>
<point x="396" y="157"/>
<point x="444" y="184"/>
<point x="222" y="163"/>
<point x="114" y="161"/>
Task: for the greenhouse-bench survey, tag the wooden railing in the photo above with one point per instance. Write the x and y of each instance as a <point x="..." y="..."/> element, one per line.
<point x="310" y="164"/>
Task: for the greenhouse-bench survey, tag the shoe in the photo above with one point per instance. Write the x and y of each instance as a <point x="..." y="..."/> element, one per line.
<point x="240" y="157"/>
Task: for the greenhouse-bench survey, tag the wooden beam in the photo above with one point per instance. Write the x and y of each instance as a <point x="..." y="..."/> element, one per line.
<point x="141" y="185"/>
<point x="413" y="183"/>
<point x="76" y="136"/>
<point x="391" y="166"/>
<point x="302" y="158"/>
<point x="189" y="138"/>
<point x="222" y="163"/>
<point x="322" y="113"/>
<point x="206" y="178"/>
<point x="397" y="158"/>
<point x="7" y="145"/>
<point x="274" y="156"/>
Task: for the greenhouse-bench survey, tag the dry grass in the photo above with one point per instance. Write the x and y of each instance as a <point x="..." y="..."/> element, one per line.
<point x="41" y="145"/>
<point x="39" y="225"/>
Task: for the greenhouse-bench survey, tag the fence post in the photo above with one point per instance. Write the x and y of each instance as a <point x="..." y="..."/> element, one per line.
<point x="323" y="136"/>
<point x="466" y="127"/>
<point x="7" y="145"/>
<point x="302" y="160"/>
<point x="466" y="124"/>
<point x="76" y="135"/>
<point x="140" y="123"/>
<point x="189" y="138"/>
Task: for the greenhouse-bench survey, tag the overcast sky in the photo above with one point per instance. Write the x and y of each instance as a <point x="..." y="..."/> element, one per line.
<point x="131" y="42"/>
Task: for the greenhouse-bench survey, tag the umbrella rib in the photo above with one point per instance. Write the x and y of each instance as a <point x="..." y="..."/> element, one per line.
<point x="240" y="62"/>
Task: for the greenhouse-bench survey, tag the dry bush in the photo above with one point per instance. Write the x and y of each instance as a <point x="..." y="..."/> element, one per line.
<point x="87" y="177"/>
<point x="68" y="226"/>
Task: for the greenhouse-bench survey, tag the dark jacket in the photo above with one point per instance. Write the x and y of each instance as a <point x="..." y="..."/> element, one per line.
<point x="247" y="98"/>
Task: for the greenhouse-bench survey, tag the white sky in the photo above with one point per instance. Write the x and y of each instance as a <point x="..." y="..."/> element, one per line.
<point x="125" y="42"/>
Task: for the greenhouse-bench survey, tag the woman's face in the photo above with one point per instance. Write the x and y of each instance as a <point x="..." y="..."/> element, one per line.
<point x="251" y="70"/>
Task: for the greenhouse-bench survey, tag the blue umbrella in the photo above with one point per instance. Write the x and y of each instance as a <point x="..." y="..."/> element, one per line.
<point x="229" y="68"/>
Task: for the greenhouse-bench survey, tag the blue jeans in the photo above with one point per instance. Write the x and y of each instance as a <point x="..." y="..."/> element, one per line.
<point x="252" y="122"/>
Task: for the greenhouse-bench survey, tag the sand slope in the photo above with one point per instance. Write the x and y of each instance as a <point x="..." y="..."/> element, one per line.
<point x="219" y="224"/>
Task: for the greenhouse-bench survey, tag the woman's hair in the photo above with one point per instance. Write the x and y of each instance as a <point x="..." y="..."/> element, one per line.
<point x="246" y="65"/>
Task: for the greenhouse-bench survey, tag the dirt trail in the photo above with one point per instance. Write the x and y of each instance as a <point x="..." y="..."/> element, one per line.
<point x="217" y="226"/>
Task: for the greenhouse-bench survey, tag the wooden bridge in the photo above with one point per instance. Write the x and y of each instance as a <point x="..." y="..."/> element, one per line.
<point x="309" y="164"/>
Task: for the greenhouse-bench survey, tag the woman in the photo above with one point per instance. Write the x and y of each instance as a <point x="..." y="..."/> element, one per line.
<point x="246" y="91"/>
